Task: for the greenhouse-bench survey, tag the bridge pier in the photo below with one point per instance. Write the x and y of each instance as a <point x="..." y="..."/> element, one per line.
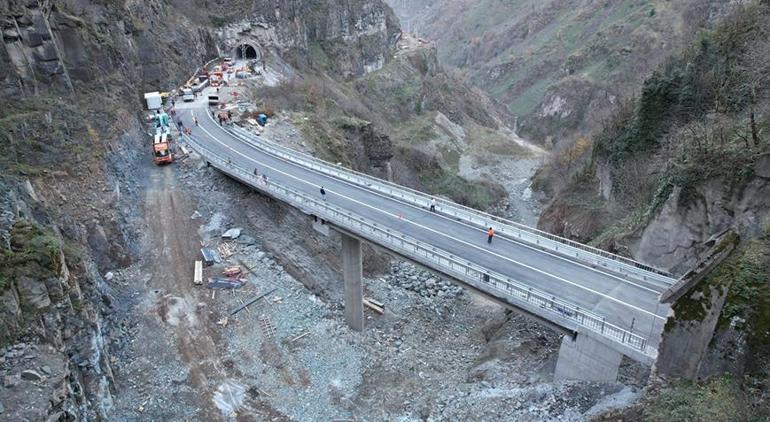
<point x="582" y="358"/>
<point x="352" y="273"/>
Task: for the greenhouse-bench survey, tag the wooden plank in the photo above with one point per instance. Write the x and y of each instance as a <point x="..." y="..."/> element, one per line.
<point x="198" y="277"/>
<point x="374" y="307"/>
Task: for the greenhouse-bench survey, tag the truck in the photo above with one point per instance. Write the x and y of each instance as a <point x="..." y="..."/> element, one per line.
<point x="154" y="100"/>
<point x="161" y="148"/>
<point x="188" y="94"/>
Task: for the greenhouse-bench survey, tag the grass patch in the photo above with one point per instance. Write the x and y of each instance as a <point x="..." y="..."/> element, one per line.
<point x="491" y="141"/>
<point x="418" y="130"/>
<point x="720" y="399"/>
<point x="528" y="100"/>
<point x="477" y="195"/>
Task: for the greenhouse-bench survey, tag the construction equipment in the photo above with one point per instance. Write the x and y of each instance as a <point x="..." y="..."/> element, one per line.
<point x="216" y="77"/>
<point x="161" y="148"/>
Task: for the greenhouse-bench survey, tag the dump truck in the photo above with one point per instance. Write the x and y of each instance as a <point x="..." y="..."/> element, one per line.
<point x="161" y="148"/>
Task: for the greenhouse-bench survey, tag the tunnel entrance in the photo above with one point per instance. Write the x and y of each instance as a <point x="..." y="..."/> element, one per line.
<point x="246" y="51"/>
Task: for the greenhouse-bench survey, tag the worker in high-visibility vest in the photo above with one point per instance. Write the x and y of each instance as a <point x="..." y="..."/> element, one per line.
<point x="490" y="234"/>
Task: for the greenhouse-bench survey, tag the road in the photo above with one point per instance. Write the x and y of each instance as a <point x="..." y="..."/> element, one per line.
<point x="626" y="303"/>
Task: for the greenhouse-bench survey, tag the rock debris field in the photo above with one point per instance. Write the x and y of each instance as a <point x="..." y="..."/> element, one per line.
<point x="437" y="352"/>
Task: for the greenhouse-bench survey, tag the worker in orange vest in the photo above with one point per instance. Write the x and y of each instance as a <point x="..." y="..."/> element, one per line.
<point x="490" y="234"/>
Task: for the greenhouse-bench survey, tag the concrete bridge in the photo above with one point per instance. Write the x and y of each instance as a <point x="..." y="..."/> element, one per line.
<point x="607" y="306"/>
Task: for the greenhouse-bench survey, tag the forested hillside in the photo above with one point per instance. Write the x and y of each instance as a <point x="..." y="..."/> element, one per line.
<point x="561" y="66"/>
<point x="680" y="164"/>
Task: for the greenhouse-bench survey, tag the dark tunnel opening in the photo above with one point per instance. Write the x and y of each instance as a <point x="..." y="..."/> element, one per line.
<point x="246" y="51"/>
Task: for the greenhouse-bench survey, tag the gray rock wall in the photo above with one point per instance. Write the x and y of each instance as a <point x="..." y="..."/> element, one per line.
<point x="60" y="46"/>
<point x="677" y="235"/>
<point x="357" y="36"/>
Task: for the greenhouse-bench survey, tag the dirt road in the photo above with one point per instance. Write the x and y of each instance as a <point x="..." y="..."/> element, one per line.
<point x="177" y="246"/>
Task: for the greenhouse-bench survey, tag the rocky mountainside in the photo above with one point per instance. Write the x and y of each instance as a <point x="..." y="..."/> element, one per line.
<point x="561" y="66"/>
<point x="410" y="121"/>
<point x="73" y="167"/>
<point x="675" y="169"/>
<point x="349" y="38"/>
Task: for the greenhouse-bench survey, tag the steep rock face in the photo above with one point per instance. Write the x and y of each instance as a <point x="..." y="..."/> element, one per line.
<point x="350" y="38"/>
<point x="676" y="236"/>
<point x="62" y="44"/>
<point x="42" y="300"/>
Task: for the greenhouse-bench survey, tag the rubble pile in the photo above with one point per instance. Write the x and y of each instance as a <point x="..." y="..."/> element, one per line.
<point x="422" y="282"/>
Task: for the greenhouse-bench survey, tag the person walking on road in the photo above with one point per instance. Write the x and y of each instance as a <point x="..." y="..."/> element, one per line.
<point x="490" y="235"/>
<point x="323" y="193"/>
<point x="432" y="204"/>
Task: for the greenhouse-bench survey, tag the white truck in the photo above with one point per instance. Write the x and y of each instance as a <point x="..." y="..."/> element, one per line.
<point x="188" y="94"/>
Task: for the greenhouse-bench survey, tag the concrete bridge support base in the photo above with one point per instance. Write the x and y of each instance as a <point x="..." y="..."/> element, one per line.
<point x="585" y="359"/>
<point x="352" y="273"/>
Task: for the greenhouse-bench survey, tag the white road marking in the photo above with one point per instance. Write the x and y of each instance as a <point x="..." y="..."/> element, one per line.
<point x="264" y="165"/>
<point x="502" y="237"/>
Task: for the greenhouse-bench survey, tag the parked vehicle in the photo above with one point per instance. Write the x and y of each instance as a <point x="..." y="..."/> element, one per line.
<point x="188" y="94"/>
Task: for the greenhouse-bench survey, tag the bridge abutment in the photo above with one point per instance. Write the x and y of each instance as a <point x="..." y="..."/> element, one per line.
<point x="352" y="274"/>
<point x="582" y="358"/>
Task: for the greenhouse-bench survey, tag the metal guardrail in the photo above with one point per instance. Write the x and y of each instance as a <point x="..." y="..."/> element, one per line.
<point x="514" y="292"/>
<point x="590" y="255"/>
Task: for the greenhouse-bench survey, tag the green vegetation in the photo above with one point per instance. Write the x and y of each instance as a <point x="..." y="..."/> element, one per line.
<point x="401" y="100"/>
<point x="477" y="195"/>
<point x="318" y="57"/>
<point x="529" y="99"/>
<point x="416" y="131"/>
<point x="720" y="399"/>
<point x="718" y="74"/>
<point x="481" y="138"/>
<point x="34" y="251"/>
<point x="704" y="115"/>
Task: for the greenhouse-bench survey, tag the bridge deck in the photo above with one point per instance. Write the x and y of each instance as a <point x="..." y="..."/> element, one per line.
<point x="621" y="301"/>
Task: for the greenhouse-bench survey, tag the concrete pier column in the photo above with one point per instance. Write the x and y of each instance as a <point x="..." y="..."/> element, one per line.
<point x="352" y="272"/>
<point x="585" y="359"/>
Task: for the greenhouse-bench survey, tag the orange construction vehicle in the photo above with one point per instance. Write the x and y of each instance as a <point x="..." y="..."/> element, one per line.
<point x="216" y="76"/>
<point x="161" y="148"/>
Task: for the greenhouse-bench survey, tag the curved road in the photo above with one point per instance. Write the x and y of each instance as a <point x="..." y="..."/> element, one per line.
<point x="621" y="301"/>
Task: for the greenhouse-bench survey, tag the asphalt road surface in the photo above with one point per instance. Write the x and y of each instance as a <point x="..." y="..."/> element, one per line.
<point x="623" y="302"/>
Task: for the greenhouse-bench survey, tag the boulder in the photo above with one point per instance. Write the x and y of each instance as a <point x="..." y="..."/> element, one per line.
<point x="233" y="233"/>
<point x="33" y="292"/>
<point x="31" y="375"/>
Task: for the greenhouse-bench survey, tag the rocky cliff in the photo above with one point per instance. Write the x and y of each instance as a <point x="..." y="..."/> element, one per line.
<point x="71" y="131"/>
<point x="348" y="38"/>
<point x="73" y="45"/>
<point x="681" y="164"/>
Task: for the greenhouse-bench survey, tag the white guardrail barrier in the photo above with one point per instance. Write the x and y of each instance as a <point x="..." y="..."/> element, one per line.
<point x="514" y="292"/>
<point x="574" y="250"/>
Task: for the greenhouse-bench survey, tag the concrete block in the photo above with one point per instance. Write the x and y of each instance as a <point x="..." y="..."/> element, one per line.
<point x="585" y="359"/>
